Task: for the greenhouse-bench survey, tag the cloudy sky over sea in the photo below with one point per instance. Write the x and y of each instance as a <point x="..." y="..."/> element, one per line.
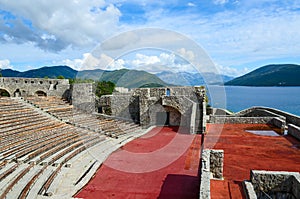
<point x="238" y="35"/>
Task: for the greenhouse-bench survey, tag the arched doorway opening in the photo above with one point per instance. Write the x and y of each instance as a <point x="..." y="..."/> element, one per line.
<point x="4" y="93"/>
<point x="41" y="94"/>
<point x="17" y="93"/>
<point x="168" y="116"/>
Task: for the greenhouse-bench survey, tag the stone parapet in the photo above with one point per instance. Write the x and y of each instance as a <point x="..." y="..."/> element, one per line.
<point x="273" y="184"/>
<point x="24" y="87"/>
<point x="294" y="131"/>
<point x="205" y="175"/>
<point x="239" y="120"/>
<point x="211" y="167"/>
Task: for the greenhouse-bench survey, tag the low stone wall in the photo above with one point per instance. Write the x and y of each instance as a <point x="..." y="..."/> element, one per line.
<point x="290" y="118"/>
<point x="211" y="167"/>
<point x="257" y="112"/>
<point x="294" y="131"/>
<point x="279" y="184"/>
<point x="205" y="175"/>
<point x="24" y="87"/>
<point x="239" y="120"/>
<point x="220" y="111"/>
<point x="280" y="123"/>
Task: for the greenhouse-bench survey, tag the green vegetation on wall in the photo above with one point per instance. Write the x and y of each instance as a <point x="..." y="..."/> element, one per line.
<point x="104" y="88"/>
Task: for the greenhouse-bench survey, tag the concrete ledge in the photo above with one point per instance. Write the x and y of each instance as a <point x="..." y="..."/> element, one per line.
<point x="249" y="190"/>
<point x="294" y="131"/>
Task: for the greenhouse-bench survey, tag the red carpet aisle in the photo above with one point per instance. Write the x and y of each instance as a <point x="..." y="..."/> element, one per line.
<point x="161" y="164"/>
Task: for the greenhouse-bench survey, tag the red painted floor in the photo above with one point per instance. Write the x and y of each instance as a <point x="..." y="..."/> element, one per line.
<point x="161" y="164"/>
<point x="244" y="151"/>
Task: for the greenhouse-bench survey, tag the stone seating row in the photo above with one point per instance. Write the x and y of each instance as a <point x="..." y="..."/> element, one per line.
<point x="38" y="139"/>
<point x="64" y="111"/>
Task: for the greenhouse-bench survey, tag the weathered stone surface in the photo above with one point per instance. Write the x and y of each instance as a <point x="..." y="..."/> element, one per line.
<point x="216" y="163"/>
<point x="152" y="106"/>
<point x="239" y="120"/>
<point x="23" y="87"/>
<point x="205" y="175"/>
<point x="290" y="118"/>
<point x="83" y="97"/>
<point x="276" y="184"/>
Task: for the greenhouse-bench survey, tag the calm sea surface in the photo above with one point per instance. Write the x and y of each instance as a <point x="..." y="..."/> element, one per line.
<point x="237" y="98"/>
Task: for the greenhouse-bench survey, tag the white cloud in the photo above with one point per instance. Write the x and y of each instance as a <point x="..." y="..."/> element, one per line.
<point x="241" y="36"/>
<point x="53" y="25"/>
<point x="158" y="63"/>
<point x="187" y="54"/>
<point x="225" y="70"/>
<point x="191" y="4"/>
<point x="91" y="62"/>
<point x="5" y="64"/>
<point x="220" y="2"/>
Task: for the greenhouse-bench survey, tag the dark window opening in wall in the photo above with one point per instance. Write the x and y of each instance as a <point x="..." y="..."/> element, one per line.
<point x="32" y="82"/>
<point x="17" y="93"/>
<point x="4" y="93"/>
<point x="16" y="81"/>
<point x="25" y="82"/>
<point x="55" y="86"/>
<point x="50" y="82"/>
<point x="163" y="118"/>
<point x="100" y="109"/>
<point x="40" y="94"/>
<point x="41" y="82"/>
<point x="168" y="92"/>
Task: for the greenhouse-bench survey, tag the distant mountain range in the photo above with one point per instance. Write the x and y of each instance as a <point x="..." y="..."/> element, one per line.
<point x="192" y="79"/>
<point x="270" y="75"/>
<point x="124" y="77"/>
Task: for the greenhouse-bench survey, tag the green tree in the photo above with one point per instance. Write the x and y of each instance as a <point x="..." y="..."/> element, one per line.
<point x="60" y="77"/>
<point x="104" y="88"/>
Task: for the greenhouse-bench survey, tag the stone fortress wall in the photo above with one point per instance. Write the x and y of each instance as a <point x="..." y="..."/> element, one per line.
<point x="22" y="87"/>
<point x="174" y="106"/>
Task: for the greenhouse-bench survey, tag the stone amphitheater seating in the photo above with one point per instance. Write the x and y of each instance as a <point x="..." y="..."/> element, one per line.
<point x="35" y="146"/>
<point x="28" y="138"/>
<point x="61" y="109"/>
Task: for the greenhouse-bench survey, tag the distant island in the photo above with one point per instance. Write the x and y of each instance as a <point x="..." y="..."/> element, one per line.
<point x="270" y="75"/>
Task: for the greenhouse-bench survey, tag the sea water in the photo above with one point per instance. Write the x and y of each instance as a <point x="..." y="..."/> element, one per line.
<point x="237" y="98"/>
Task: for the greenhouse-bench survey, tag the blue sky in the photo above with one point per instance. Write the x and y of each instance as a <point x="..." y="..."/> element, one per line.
<point x="238" y="35"/>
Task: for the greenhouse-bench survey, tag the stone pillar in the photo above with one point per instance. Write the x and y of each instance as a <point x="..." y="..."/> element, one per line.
<point x="83" y="97"/>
